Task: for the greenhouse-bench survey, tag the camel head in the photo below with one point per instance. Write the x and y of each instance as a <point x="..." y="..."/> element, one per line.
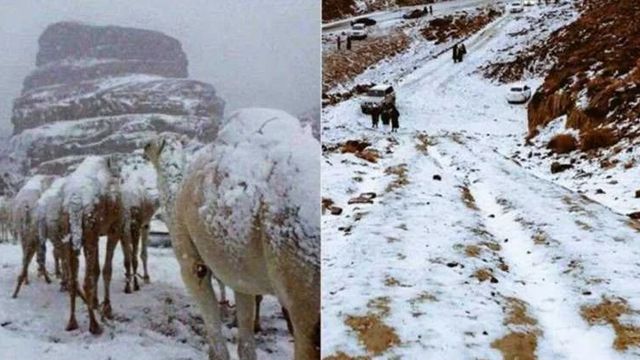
<point x="164" y="148"/>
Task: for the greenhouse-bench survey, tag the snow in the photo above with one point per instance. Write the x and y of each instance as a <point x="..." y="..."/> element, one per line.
<point x="263" y="157"/>
<point x="158" y="322"/>
<point x="543" y="243"/>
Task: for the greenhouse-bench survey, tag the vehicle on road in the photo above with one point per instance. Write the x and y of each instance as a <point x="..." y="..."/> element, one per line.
<point x="377" y="97"/>
<point x="528" y="3"/>
<point x="519" y="94"/>
<point x="516" y="7"/>
<point x="358" y="32"/>
<point x="365" y="20"/>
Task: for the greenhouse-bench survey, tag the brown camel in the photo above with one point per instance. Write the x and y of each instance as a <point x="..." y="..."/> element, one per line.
<point x="94" y="207"/>
<point x="53" y="225"/>
<point x="25" y="227"/>
<point x="247" y="210"/>
<point x="140" y="216"/>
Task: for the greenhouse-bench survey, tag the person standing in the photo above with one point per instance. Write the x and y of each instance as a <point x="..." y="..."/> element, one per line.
<point x="395" y="118"/>
<point x="430" y="10"/>
<point x="455" y="53"/>
<point x="339" y="41"/>
<point x="462" y="51"/>
<point x="348" y="42"/>
<point x="384" y="115"/>
<point x="375" y="117"/>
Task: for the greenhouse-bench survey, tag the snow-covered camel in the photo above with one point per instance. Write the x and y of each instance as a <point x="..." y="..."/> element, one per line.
<point x="53" y="224"/>
<point x="25" y="228"/>
<point x="247" y="210"/>
<point x="140" y="201"/>
<point x="93" y="204"/>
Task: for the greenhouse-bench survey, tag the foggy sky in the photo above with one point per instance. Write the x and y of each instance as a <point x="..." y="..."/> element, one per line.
<point x="254" y="52"/>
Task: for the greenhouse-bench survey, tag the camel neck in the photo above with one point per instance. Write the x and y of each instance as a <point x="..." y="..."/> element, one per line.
<point x="171" y="171"/>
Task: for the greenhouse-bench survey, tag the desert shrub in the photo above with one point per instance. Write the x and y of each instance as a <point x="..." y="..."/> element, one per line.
<point x="597" y="138"/>
<point x="562" y="144"/>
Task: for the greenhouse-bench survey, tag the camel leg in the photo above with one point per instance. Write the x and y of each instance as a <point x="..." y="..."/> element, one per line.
<point x="41" y="259"/>
<point x="246" y="313"/>
<point x="56" y="261"/>
<point x="27" y="254"/>
<point x="72" y="285"/>
<point x="125" y="243"/>
<point x="256" y="318"/>
<point x="107" y="270"/>
<point x="91" y="259"/>
<point x="144" y="238"/>
<point x="201" y="289"/>
<point x="306" y="329"/>
<point x="135" y="241"/>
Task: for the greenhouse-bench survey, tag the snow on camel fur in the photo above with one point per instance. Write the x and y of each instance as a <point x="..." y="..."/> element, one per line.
<point x="93" y="204"/>
<point x="247" y="210"/>
<point x="25" y="227"/>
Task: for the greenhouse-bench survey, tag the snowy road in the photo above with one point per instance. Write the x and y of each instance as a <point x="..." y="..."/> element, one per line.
<point x="464" y="254"/>
<point x="385" y="18"/>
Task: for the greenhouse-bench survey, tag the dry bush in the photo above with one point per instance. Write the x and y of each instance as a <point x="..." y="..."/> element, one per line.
<point x="562" y="143"/>
<point x="597" y="138"/>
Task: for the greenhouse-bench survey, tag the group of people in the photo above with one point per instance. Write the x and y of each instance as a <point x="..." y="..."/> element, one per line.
<point x="458" y="52"/>
<point x="428" y="10"/>
<point x="339" y="42"/>
<point x="388" y="114"/>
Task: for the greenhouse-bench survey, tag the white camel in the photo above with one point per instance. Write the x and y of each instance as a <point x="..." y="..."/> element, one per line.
<point x="25" y="227"/>
<point x="247" y="210"/>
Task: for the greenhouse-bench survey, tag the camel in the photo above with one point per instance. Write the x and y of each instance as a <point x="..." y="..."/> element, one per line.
<point x="5" y="219"/>
<point x="93" y="204"/>
<point x="25" y="227"/>
<point x="53" y="225"/>
<point x="140" y="206"/>
<point x="247" y="211"/>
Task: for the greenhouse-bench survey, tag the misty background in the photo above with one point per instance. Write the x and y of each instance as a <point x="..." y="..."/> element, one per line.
<point x="254" y="52"/>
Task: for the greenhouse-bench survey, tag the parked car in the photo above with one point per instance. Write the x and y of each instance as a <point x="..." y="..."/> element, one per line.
<point x="516" y="7"/>
<point x="519" y="94"/>
<point x="377" y="97"/>
<point x="358" y="32"/>
<point x="528" y="3"/>
<point x="365" y="20"/>
<point x="414" y="14"/>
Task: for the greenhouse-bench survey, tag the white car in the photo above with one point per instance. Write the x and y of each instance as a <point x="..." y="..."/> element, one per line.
<point x="519" y="94"/>
<point x="516" y="7"/>
<point x="377" y="97"/>
<point x="358" y="31"/>
<point x="528" y="3"/>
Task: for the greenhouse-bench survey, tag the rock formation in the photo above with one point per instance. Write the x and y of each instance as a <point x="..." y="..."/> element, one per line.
<point x="104" y="90"/>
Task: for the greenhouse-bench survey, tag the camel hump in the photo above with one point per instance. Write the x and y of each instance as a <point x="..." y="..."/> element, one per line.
<point x="279" y="172"/>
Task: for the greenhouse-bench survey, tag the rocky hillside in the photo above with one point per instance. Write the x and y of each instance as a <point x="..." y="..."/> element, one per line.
<point x="104" y="90"/>
<point x="338" y="9"/>
<point x="594" y="80"/>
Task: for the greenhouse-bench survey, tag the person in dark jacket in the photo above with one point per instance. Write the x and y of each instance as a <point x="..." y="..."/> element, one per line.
<point x="348" y="42"/>
<point x="385" y="115"/>
<point x="394" y="114"/>
<point x="339" y="41"/>
<point x="430" y="10"/>
<point x="375" y="116"/>
<point x="455" y="53"/>
<point x="462" y="50"/>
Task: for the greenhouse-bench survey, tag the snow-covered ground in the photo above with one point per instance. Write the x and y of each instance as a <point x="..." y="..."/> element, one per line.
<point x="160" y="321"/>
<point x="466" y="247"/>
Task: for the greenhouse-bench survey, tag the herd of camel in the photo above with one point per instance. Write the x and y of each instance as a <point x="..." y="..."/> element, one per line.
<point x="239" y="210"/>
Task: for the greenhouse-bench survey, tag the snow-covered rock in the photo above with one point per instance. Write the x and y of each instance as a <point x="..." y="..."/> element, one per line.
<point x="102" y="90"/>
